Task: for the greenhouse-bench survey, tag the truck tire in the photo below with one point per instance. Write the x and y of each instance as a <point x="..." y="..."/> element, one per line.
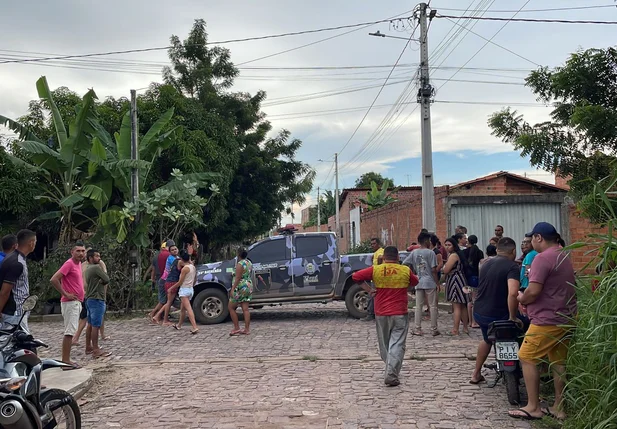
<point x="210" y="306"/>
<point x="511" y="381"/>
<point x="356" y="301"/>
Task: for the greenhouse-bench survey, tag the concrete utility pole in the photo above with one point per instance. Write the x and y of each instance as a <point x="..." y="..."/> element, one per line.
<point x="425" y="98"/>
<point x="318" y="212"/>
<point x="338" y="220"/>
<point x="136" y="262"/>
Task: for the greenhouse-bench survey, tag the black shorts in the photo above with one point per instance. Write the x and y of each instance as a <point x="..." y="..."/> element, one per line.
<point x="84" y="311"/>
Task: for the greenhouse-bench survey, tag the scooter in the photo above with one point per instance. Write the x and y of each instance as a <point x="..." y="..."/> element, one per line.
<point x="22" y="402"/>
<point x="507" y="338"/>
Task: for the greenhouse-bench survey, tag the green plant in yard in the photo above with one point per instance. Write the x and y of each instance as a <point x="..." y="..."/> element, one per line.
<point x="377" y="198"/>
<point x="591" y="392"/>
<point x="363" y="247"/>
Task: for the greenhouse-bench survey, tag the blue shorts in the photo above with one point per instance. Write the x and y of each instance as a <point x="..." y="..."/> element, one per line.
<point x="96" y="311"/>
<point x="162" y="293"/>
<point x="484" y="321"/>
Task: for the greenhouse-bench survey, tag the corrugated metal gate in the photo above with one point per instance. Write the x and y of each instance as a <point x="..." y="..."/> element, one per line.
<point x="517" y="219"/>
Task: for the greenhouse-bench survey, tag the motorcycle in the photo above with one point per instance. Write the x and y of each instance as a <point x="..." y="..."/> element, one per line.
<point x="23" y="403"/>
<point x="507" y="338"/>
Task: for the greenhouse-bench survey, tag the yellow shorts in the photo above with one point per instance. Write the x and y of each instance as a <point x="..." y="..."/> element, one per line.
<point x="542" y="341"/>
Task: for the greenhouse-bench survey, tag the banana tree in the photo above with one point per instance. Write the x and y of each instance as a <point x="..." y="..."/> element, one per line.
<point x="377" y="198"/>
<point x="67" y="186"/>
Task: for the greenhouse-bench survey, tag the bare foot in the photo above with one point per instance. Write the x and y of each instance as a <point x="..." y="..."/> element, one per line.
<point x="245" y="332"/>
<point x="167" y="324"/>
<point x="107" y="338"/>
<point x="552" y="412"/>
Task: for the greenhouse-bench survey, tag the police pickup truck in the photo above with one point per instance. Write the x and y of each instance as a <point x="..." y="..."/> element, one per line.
<point x="291" y="268"/>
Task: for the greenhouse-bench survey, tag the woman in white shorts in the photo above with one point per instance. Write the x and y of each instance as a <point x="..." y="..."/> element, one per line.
<point x="186" y="282"/>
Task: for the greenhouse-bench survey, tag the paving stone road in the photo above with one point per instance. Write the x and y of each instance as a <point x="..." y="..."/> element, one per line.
<point x="308" y="366"/>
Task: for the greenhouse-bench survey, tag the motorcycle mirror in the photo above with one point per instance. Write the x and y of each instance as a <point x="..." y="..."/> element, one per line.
<point x="30" y="303"/>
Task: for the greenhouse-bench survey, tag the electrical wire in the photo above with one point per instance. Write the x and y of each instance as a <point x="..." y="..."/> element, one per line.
<point x="385" y="83"/>
<point x="536" y="20"/>
<point x="534" y="10"/>
<point x="483" y="46"/>
<point x="223" y="42"/>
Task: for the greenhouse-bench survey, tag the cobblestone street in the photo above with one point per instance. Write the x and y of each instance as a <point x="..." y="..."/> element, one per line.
<point x="307" y="366"/>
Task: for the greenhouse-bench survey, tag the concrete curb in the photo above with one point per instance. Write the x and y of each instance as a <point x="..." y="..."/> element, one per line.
<point x="76" y="382"/>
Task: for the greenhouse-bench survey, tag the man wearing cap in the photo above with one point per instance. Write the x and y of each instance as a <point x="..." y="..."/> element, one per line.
<point x="550" y="300"/>
<point x="158" y="264"/>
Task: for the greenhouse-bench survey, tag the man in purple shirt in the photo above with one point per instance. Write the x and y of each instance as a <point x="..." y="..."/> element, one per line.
<point x="550" y="299"/>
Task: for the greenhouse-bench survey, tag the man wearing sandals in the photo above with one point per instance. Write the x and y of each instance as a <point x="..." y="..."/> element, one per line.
<point x="550" y="299"/>
<point x="96" y="292"/>
<point x="68" y="280"/>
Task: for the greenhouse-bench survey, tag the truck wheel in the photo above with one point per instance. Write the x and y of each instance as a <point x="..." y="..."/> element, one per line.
<point x="210" y="306"/>
<point x="356" y="301"/>
<point x="511" y="380"/>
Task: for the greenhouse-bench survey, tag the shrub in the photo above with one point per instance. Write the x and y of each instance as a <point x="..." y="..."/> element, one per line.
<point x="363" y="247"/>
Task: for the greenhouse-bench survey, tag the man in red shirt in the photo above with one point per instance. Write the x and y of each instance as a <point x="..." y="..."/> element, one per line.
<point x="158" y="265"/>
<point x="392" y="281"/>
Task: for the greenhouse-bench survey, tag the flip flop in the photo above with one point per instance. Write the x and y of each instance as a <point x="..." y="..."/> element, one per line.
<point x="176" y="327"/>
<point x="480" y="380"/>
<point x="547" y="412"/>
<point x="245" y="333"/>
<point x="524" y="416"/>
<point x="235" y="333"/>
<point x="194" y="332"/>
<point x="88" y="352"/>
<point x="71" y="368"/>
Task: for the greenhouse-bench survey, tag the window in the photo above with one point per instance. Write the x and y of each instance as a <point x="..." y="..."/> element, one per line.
<point x="269" y="251"/>
<point x="311" y="246"/>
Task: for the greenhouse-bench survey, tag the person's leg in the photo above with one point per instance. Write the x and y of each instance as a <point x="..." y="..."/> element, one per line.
<point x="186" y="301"/>
<point x="234" y="316"/>
<point x="170" y="299"/>
<point x="418" y="311"/>
<point x="431" y="296"/>
<point x="67" y="343"/>
<point x="530" y="354"/>
<point x="383" y="336"/>
<point x="80" y="329"/>
<point x="89" y="339"/>
<point x="464" y="318"/>
<point x="247" y="317"/>
<point x="557" y="357"/>
<point x="484" y="349"/>
<point x="70" y="314"/>
<point x="155" y="310"/>
<point x="396" y="352"/>
<point x="370" y="308"/>
<point x="182" y="314"/>
<point x="456" y="316"/>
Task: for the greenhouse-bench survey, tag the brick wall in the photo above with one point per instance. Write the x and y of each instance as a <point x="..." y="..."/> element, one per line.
<point x="580" y="228"/>
<point x="495" y="186"/>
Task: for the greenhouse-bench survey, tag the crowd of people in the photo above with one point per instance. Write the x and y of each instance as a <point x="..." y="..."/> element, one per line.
<point x="535" y="291"/>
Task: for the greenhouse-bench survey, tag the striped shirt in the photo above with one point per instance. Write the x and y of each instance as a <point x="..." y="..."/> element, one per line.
<point x="14" y="271"/>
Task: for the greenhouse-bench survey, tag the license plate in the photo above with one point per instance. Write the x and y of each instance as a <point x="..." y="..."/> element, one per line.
<point x="506" y="351"/>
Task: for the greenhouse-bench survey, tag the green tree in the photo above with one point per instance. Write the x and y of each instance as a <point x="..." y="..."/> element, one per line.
<point x="377" y="198"/>
<point x="327" y="207"/>
<point x="581" y="139"/>
<point x="224" y="132"/>
<point x="366" y="179"/>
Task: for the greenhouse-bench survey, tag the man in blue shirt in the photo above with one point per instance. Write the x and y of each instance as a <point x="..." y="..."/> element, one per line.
<point x="528" y="255"/>
<point x="9" y="244"/>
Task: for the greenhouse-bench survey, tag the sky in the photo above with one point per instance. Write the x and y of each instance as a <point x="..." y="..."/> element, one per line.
<point x="463" y="147"/>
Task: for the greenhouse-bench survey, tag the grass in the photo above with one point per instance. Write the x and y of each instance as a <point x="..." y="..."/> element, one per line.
<point x="417" y="357"/>
<point x="310" y="358"/>
<point x="591" y="392"/>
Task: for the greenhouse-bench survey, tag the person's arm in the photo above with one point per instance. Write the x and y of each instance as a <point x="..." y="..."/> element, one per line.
<point x="237" y="277"/>
<point x="11" y="274"/>
<point x="362" y="277"/>
<point x="532" y="293"/>
<point x="452" y="260"/>
<point x="513" y="287"/>
<point x="103" y="266"/>
<point x="439" y="262"/>
<point x="56" y="282"/>
<point x="183" y="273"/>
<point x="407" y="261"/>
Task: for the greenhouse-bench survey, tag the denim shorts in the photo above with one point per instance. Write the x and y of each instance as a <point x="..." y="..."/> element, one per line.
<point x="484" y="321"/>
<point x="96" y="311"/>
<point x="186" y="291"/>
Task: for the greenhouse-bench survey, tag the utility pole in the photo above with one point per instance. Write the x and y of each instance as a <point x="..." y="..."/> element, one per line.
<point x="425" y="96"/>
<point x="337" y="218"/>
<point x="136" y="259"/>
<point x="318" y="212"/>
<point x="408" y="176"/>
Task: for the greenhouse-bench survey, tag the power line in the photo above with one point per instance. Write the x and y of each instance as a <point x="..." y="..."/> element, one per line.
<point x="552" y="21"/>
<point x="223" y="42"/>
<point x="485" y="44"/>
<point x="378" y="94"/>
<point x="533" y="10"/>
<point x="317" y="41"/>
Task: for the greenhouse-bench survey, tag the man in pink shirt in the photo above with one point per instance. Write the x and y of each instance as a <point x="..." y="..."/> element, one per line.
<point x="68" y="280"/>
